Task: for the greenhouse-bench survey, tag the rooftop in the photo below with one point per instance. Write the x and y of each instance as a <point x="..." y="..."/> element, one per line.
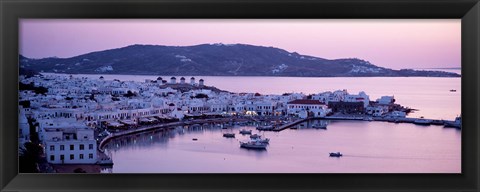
<point x="306" y="102"/>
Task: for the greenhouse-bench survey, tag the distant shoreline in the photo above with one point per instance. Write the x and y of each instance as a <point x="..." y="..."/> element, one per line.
<point x="170" y="75"/>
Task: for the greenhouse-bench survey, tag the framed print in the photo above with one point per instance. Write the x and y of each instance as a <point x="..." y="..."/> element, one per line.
<point x="207" y="95"/>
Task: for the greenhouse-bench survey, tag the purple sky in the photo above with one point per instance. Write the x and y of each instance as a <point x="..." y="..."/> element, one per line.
<point x="394" y="44"/>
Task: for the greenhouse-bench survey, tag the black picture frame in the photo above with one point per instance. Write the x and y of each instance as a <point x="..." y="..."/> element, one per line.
<point x="466" y="10"/>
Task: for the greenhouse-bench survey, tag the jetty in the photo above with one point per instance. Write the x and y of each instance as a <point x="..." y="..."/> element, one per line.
<point x="364" y="118"/>
<point x="288" y="125"/>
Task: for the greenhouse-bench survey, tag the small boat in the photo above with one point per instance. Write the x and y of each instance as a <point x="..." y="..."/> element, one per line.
<point x="337" y="154"/>
<point x="245" y="132"/>
<point x="253" y="145"/>
<point x="265" y="128"/>
<point x="195" y="139"/>
<point x="255" y="136"/>
<point x="229" y="135"/>
<point x="319" y="126"/>
<point x="455" y="124"/>
<point x="264" y="140"/>
<point x="453" y="90"/>
<point x="422" y="121"/>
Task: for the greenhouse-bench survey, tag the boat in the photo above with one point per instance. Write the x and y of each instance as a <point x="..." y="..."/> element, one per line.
<point x="194" y="139"/>
<point x="265" y="128"/>
<point x="319" y="126"/>
<point x="455" y="124"/>
<point x="229" y="135"/>
<point x="337" y="154"/>
<point x="245" y="132"/>
<point x="422" y="121"/>
<point x="255" y="136"/>
<point x="253" y="145"/>
<point x="453" y="90"/>
<point x="264" y="140"/>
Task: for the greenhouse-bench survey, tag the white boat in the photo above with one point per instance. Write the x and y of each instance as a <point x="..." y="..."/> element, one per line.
<point x="422" y="121"/>
<point x="253" y="145"/>
<point x="456" y="124"/>
<point x="262" y="140"/>
<point x="245" y="132"/>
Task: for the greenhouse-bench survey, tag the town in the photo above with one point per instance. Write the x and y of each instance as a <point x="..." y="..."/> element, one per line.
<point x="72" y="116"/>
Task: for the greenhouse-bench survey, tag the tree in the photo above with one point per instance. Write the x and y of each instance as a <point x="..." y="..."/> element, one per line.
<point x="130" y="94"/>
<point x="201" y="96"/>
<point x="25" y="103"/>
<point x="29" y="158"/>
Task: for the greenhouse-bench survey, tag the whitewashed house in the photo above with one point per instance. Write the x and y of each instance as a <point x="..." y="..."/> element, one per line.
<point x="70" y="145"/>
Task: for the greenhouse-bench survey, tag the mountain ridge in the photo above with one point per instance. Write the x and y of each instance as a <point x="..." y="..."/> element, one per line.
<point x="214" y="60"/>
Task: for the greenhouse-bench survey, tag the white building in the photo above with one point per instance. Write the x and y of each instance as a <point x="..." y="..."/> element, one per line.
<point x="377" y="111"/>
<point x="386" y="100"/>
<point x="70" y="145"/>
<point x="24" y="128"/>
<point x="192" y="81"/>
<point x="361" y="97"/>
<point x="315" y="108"/>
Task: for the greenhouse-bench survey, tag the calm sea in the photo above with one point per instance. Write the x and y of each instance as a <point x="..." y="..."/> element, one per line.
<point x="368" y="147"/>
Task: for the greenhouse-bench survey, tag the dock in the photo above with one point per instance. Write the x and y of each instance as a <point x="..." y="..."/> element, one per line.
<point x="288" y="125"/>
<point x="361" y="118"/>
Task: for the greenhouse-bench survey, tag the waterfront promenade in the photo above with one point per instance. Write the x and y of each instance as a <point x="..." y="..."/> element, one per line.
<point x="145" y="128"/>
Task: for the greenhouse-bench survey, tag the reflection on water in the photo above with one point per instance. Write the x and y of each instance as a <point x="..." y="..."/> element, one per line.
<point x="368" y="147"/>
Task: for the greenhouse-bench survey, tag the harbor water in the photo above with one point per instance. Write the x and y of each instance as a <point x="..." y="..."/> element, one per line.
<point x="367" y="147"/>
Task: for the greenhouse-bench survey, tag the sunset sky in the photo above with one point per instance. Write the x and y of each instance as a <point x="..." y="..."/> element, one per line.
<point x="393" y="44"/>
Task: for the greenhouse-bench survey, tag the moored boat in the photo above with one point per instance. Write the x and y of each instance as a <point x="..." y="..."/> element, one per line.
<point x="262" y="140"/>
<point x="455" y="124"/>
<point x="422" y="121"/>
<point x="255" y="136"/>
<point x="229" y="135"/>
<point x="245" y="132"/>
<point x="253" y="145"/>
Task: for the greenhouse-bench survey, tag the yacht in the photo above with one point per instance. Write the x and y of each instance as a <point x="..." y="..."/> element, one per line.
<point x="422" y="121"/>
<point x="262" y="140"/>
<point x="245" y="132"/>
<point x="253" y="145"/>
